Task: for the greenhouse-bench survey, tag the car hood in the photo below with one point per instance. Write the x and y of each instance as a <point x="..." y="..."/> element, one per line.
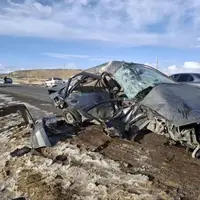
<point x="178" y="103"/>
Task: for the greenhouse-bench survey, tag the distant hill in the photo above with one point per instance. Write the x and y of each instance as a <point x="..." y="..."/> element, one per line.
<point x="38" y="76"/>
<point x="44" y="73"/>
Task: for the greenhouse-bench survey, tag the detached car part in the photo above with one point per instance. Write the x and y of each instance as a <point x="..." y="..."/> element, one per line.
<point x="17" y="108"/>
<point x="132" y="97"/>
<point x="39" y="136"/>
<point x="49" y="130"/>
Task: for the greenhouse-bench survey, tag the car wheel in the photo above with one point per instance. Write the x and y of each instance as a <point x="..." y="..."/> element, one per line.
<point x="72" y="116"/>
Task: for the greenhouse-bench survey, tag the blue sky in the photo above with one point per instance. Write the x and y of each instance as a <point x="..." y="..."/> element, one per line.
<point x="84" y="33"/>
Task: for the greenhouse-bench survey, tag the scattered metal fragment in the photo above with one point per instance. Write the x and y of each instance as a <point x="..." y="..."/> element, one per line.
<point x="17" y="108"/>
<point x="61" y="159"/>
<point x="48" y="131"/>
<point x="20" y="152"/>
<point x="19" y="198"/>
<point x="196" y="152"/>
<point x="103" y="146"/>
<point x="39" y="136"/>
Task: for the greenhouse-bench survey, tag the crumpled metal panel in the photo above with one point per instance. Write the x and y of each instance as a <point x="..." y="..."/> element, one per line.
<point x="110" y="67"/>
<point x="39" y="137"/>
<point x="20" y="108"/>
<point x="178" y="103"/>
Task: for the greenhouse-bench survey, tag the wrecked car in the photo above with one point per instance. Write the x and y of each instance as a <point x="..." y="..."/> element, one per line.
<point x="128" y="98"/>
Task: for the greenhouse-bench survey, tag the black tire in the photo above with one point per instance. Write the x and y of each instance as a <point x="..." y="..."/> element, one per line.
<point x="72" y="116"/>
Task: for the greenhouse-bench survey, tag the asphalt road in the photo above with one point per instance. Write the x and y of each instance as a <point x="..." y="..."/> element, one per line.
<point x="32" y="92"/>
<point x="33" y="95"/>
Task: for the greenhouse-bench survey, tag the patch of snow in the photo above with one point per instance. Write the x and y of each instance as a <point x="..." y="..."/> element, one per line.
<point x="6" y="98"/>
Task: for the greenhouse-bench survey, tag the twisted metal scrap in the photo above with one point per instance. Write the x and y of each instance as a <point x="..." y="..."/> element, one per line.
<point x="17" y="108"/>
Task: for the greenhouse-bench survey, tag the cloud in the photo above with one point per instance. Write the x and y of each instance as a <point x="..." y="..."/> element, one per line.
<point x="188" y="66"/>
<point x="174" y="23"/>
<point x="64" y="56"/>
<point x="192" y="65"/>
<point x="76" y="56"/>
<point x="100" y="59"/>
<point x="4" y="69"/>
<point x="172" y="68"/>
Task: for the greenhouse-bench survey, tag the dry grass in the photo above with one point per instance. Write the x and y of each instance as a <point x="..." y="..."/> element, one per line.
<point x="44" y="73"/>
<point x="38" y="76"/>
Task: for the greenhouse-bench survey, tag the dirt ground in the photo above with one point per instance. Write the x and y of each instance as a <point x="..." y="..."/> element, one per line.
<point x="169" y="167"/>
<point x="92" y="165"/>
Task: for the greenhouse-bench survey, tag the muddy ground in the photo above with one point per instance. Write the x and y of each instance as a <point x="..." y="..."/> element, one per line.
<point x="169" y="167"/>
<point x="92" y="165"/>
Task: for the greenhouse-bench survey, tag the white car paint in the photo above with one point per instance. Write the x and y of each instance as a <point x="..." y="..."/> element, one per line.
<point x="53" y="81"/>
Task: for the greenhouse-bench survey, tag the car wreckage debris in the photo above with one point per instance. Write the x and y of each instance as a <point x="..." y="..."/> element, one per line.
<point x="19" y="198"/>
<point x="20" y="152"/>
<point x="17" y="108"/>
<point x="127" y="98"/>
<point x="48" y="130"/>
<point x="39" y="136"/>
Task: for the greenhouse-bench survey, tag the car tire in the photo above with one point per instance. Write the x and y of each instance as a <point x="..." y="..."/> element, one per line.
<point x="72" y="116"/>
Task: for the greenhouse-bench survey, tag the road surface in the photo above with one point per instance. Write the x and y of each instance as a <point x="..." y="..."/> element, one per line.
<point x="34" y="92"/>
<point x="33" y="95"/>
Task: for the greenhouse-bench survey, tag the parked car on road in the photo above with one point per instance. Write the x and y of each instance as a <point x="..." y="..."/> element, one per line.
<point x="189" y="78"/>
<point x="53" y="82"/>
<point x="8" y="80"/>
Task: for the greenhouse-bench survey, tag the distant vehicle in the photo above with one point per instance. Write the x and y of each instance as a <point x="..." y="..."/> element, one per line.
<point x="54" y="81"/>
<point x="8" y="80"/>
<point x="188" y="78"/>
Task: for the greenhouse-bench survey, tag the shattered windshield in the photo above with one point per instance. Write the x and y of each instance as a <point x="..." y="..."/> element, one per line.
<point x="136" y="77"/>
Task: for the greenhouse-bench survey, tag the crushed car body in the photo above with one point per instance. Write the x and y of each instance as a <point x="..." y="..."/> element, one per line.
<point x="128" y="98"/>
